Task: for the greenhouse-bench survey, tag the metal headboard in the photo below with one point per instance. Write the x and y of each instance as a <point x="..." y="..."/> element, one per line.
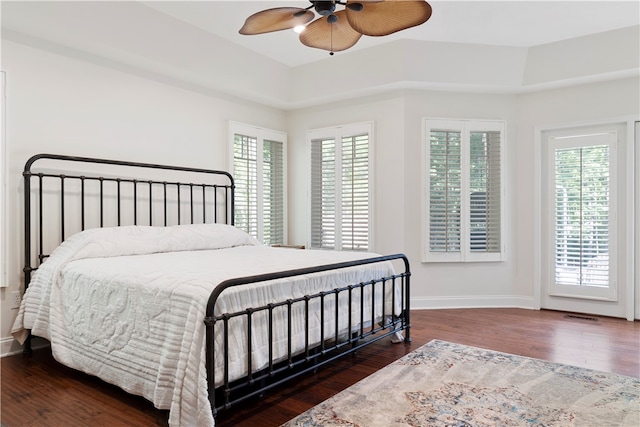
<point x="90" y="195"/>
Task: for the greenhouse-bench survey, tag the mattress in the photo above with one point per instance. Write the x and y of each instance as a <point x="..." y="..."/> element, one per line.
<point x="127" y="304"/>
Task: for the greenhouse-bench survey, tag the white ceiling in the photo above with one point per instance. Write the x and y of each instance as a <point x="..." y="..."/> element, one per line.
<point x="501" y="23"/>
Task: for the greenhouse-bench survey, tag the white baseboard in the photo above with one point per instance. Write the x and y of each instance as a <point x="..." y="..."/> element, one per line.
<point x="9" y="346"/>
<point x="493" y="301"/>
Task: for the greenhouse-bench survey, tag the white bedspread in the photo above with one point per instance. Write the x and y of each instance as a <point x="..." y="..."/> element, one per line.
<point x="127" y="304"/>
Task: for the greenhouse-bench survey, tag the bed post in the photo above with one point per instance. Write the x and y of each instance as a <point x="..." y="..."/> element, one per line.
<point x="26" y="349"/>
<point x="407" y="311"/>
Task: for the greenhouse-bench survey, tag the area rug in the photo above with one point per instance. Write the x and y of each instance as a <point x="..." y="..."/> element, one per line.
<point x="446" y="384"/>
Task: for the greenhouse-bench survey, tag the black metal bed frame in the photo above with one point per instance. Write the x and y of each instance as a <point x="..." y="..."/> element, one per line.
<point x="297" y="362"/>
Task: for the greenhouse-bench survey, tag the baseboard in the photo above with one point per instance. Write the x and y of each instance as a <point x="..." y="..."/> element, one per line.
<point x="493" y="301"/>
<point x="9" y="346"/>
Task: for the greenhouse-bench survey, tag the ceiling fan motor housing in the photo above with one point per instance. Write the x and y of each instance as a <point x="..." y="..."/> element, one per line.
<point x="324" y="8"/>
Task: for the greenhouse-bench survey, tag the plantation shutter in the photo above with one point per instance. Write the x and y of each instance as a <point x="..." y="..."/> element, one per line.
<point x="273" y="193"/>
<point x="355" y="192"/>
<point x="340" y="188"/>
<point x="485" y="189"/>
<point x="245" y="159"/>
<point x="445" y="190"/>
<point x="582" y="195"/>
<point x="464" y="208"/>
<point x="259" y="161"/>
<point x="323" y="194"/>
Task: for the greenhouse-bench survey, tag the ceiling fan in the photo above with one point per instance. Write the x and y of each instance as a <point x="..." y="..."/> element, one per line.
<point x="337" y="30"/>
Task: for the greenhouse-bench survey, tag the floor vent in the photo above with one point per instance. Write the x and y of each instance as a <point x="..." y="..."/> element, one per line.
<point x="577" y="316"/>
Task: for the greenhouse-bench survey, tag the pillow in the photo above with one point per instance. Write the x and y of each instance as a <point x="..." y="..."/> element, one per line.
<point x="141" y="240"/>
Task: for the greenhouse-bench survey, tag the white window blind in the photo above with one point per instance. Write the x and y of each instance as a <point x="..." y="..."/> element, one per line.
<point x="245" y="168"/>
<point x="445" y="179"/>
<point x="273" y="192"/>
<point x="485" y="191"/>
<point x="323" y="194"/>
<point x="259" y="172"/>
<point x="584" y="191"/>
<point x="355" y="192"/>
<point x="340" y="188"/>
<point x="464" y="191"/>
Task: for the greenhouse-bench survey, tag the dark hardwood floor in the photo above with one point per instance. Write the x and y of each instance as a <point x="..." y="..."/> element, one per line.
<point x="37" y="391"/>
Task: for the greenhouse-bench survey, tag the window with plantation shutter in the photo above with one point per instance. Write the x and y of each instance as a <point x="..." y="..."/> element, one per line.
<point x="355" y="192"/>
<point x="583" y="194"/>
<point x="259" y="172"/>
<point x="340" y="188"/>
<point x="323" y="194"/>
<point x="485" y="191"/>
<point x="245" y="166"/>
<point x="273" y="192"/>
<point x="464" y="210"/>
<point x="445" y="179"/>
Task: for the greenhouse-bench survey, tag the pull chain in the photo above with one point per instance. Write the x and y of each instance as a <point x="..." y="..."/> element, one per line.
<point x="331" y="21"/>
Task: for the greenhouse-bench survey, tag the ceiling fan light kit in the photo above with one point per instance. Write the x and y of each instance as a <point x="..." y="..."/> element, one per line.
<point x="337" y="30"/>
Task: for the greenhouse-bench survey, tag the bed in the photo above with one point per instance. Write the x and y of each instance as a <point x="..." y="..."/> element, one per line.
<point x="136" y="274"/>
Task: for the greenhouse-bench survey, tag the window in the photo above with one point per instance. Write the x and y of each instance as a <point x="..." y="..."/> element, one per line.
<point x="340" y="187"/>
<point x="259" y="172"/>
<point x="464" y="209"/>
<point x="582" y="190"/>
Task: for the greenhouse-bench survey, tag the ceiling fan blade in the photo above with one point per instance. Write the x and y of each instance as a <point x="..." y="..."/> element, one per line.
<point x="279" y="18"/>
<point x="333" y="37"/>
<point x="381" y="18"/>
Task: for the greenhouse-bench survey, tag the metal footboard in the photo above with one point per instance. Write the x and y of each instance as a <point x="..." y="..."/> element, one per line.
<point x="362" y="331"/>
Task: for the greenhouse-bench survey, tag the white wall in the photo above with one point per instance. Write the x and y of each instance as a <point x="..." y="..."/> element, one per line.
<point x="56" y="104"/>
<point x="450" y="284"/>
<point x="398" y="186"/>
<point x="397" y="116"/>
<point x="387" y="113"/>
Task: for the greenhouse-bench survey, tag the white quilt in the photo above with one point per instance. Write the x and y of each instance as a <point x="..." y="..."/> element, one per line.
<point x="127" y="304"/>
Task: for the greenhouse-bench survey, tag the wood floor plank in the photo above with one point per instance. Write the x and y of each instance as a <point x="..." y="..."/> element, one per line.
<point x="37" y="391"/>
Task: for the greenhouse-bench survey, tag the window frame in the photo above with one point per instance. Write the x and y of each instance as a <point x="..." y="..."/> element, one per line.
<point x="261" y="135"/>
<point x="466" y="127"/>
<point x="337" y="133"/>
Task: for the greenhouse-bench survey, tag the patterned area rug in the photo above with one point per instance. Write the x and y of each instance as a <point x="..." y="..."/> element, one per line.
<point x="445" y="384"/>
